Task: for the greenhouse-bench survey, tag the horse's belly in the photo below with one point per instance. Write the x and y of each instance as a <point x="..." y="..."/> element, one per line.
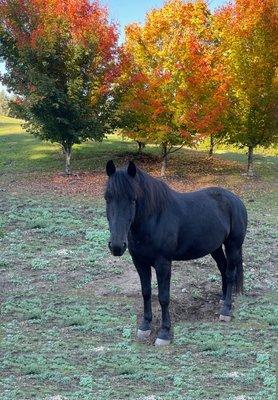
<point x="191" y="249"/>
<point x="193" y="254"/>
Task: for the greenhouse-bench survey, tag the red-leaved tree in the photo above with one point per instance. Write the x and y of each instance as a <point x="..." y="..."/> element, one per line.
<point x="176" y="86"/>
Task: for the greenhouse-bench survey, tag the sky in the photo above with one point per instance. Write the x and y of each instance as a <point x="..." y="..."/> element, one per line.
<point x="124" y="12"/>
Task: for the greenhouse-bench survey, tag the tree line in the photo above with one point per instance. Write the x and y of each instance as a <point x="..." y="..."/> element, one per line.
<point x="183" y="75"/>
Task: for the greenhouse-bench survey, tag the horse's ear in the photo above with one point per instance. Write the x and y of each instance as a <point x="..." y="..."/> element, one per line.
<point x="110" y="168"/>
<point x="131" y="169"/>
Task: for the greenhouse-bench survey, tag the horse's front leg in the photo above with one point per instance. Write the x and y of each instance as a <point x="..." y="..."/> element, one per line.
<point x="163" y="273"/>
<point x="145" y="274"/>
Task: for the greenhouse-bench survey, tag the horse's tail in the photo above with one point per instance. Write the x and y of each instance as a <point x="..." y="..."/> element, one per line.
<point x="239" y="265"/>
<point x="239" y="277"/>
<point x="239" y="268"/>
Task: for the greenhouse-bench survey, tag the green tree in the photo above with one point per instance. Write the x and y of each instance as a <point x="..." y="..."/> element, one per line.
<point x="61" y="59"/>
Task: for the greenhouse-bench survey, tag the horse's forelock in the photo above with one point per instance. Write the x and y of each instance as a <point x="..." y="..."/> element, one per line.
<point x="152" y="194"/>
<point x="120" y="185"/>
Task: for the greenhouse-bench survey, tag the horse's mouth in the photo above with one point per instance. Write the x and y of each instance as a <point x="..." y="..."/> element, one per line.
<point x="117" y="251"/>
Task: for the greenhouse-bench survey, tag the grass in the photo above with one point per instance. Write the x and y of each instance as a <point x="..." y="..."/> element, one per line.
<point x="23" y="153"/>
<point x="69" y="310"/>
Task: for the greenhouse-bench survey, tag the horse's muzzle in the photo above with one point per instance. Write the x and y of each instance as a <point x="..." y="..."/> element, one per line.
<point x="117" y="250"/>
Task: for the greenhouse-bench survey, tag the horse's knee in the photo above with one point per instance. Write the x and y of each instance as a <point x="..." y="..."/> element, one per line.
<point x="146" y="294"/>
<point x="164" y="299"/>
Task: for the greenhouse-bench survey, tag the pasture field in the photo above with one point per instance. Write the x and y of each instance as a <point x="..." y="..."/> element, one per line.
<point x="69" y="309"/>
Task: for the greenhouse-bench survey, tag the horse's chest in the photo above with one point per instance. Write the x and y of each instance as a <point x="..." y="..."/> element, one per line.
<point x="142" y="242"/>
<point x="142" y="245"/>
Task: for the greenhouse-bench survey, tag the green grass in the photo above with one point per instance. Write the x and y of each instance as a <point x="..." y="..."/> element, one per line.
<point x="24" y="153"/>
<point x="60" y="338"/>
<point x="69" y="311"/>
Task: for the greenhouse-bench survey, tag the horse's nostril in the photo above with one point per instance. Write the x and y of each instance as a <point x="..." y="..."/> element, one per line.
<point x="125" y="245"/>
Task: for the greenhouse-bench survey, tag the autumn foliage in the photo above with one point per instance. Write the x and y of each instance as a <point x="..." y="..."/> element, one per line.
<point x="61" y="59"/>
<point x="183" y="75"/>
<point x="248" y="35"/>
<point x="176" y="83"/>
<point x="191" y="74"/>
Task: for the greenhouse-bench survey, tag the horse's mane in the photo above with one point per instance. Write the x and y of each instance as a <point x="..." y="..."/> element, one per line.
<point x="152" y="194"/>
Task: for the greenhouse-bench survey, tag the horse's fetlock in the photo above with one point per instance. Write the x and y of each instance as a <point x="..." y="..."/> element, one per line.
<point x="145" y="324"/>
<point x="164" y="333"/>
<point x="226" y="310"/>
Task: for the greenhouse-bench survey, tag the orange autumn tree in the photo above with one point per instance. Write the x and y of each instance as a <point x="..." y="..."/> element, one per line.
<point x="175" y="85"/>
<point x="247" y="32"/>
<point x="61" y="61"/>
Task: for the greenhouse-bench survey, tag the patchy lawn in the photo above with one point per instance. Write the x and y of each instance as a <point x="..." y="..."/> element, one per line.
<point x="70" y="310"/>
<point x="24" y="154"/>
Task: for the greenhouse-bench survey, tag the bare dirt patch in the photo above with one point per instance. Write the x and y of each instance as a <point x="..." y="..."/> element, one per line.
<point x="184" y="307"/>
<point x="126" y="284"/>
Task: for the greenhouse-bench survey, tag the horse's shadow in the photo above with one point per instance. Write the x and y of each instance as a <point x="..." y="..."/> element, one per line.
<point x="183" y="309"/>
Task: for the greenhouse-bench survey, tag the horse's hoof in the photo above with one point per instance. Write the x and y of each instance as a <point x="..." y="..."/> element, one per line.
<point x="162" y="342"/>
<point x="143" y="335"/>
<point x="225" y="318"/>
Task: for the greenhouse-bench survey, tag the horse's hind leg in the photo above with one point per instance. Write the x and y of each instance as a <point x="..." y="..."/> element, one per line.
<point x="234" y="264"/>
<point x="221" y="261"/>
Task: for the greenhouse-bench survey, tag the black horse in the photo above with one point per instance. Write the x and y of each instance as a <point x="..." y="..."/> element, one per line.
<point x="159" y="225"/>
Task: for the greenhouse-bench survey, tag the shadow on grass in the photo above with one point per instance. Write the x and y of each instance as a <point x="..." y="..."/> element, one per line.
<point x="239" y="157"/>
<point x="264" y="165"/>
<point x="18" y="138"/>
<point x="25" y="153"/>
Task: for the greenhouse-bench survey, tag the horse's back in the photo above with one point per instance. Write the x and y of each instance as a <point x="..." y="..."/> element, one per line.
<point x="218" y="198"/>
<point x="220" y="201"/>
<point x="210" y="216"/>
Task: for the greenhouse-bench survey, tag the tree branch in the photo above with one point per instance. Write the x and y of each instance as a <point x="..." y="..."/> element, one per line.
<point x="176" y="149"/>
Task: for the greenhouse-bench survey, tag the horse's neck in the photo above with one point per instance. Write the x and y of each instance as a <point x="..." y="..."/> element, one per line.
<point x="142" y="227"/>
<point x="145" y="221"/>
<point x="151" y="204"/>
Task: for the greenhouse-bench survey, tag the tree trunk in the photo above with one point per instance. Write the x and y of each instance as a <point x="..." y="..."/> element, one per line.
<point x="211" y="148"/>
<point x="250" y="170"/>
<point x="141" y="146"/>
<point x="164" y="160"/>
<point x="67" y="152"/>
